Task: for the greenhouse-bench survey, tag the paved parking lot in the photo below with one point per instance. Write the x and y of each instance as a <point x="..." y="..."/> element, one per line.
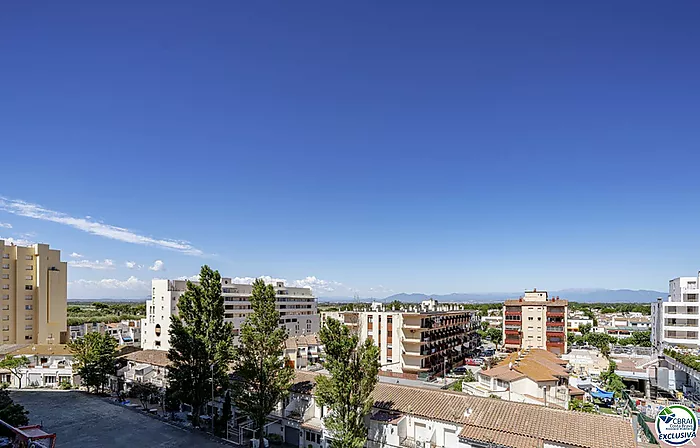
<point x="83" y="421"/>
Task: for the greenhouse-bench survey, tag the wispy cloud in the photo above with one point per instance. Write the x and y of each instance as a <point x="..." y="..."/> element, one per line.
<point x="29" y="210"/>
<point x="17" y="241"/>
<point x="316" y="284"/>
<point x="97" y="264"/>
<point x="5" y="225"/>
<point x="132" y="265"/>
<point x="76" y="255"/>
<point x="108" y="287"/>
<point x="158" y="265"/>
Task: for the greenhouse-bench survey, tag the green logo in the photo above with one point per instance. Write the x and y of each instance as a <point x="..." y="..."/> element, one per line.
<point x="676" y="425"/>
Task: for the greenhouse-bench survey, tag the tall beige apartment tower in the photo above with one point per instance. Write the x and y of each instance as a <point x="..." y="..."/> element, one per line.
<point x="33" y="295"/>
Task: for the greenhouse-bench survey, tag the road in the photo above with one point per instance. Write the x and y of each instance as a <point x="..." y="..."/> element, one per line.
<point x="80" y="420"/>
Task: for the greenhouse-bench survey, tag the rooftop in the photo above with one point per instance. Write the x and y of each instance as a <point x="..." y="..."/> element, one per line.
<point x="153" y="357"/>
<point x="536" y="364"/>
<point x="509" y="424"/>
<point x="302" y="341"/>
<point x="35" y="349"/>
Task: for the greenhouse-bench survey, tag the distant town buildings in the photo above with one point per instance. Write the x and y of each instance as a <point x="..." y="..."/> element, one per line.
<point x="126" y="332"/>
<point x="533" y="376"/>
<point x="494" y="318"/>
<point x="421" y="342"/>
<point x="33" y="295"/>
<point x="142" y="366"/>
<point x="535" y="321"/>
<point x="297" y="308"/>
<point x="676" y="320"/>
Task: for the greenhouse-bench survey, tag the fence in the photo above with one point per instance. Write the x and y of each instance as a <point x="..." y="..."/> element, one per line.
<point x="642" y="420"/>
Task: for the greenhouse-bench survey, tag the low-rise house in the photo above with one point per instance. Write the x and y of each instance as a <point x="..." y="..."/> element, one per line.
<point x="303" y="352"/>
<point x="586" y="362"/>
<point x="574" y="324"/>
<point x="494" y="318"/>
<point x="622" y="325"/>
<point x="126" y="332"/>
<point x="533" y="376"/>
<point x="404" y="416"/>
<point x="49" y="366"/>
<point x="144" y="366"/>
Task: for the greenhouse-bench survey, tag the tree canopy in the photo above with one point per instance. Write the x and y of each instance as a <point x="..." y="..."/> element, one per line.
<point x="95" y="355"/>
<point x="201" y="344"/>
<point x="14" y="365"/>
<point x="347" y="392"/>
<point x="263" y="377"/>
<point x="11" y="412"/>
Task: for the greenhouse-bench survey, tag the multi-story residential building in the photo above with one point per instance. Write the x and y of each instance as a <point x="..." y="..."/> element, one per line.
<point x="677" y="320"/>
<point x="49" y="366"/>
<point x="304" y="352"/>
<point x="297" y="308"/>
<point x="404" y="416"/>
<point x="535" y="321"/>
<point x="415" y="344"/>
<point x="33" y="295"/>
<point x="142" y="366"/>
<point x="624" y="325"/>
<point x="533" y="376"/>
<point x="126" y="332"/>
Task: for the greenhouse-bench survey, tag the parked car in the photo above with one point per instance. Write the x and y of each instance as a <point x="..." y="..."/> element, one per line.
<point x="461" y="370"/>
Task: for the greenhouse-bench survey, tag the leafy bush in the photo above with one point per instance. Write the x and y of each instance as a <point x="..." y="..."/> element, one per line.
<point x="687" y="359"/>
<point x="65" y="385"/>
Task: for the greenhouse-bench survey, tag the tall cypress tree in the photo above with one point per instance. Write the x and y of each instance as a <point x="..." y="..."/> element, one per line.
<point x="201" y="344"/>
<point x="263" y="378"/>
<point x="347" y="392"/>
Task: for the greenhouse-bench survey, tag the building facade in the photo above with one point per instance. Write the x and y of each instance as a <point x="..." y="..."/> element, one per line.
<point x="676" y="321"/>
<point x="416" y="344"/>
<point x="33" y="295"/>
<point x="535" y="321"/>
<point x="50" y="366"/>
<point x="304" y="352"/>
<point x="126" y="332"/>
<point x="297" y="308"/>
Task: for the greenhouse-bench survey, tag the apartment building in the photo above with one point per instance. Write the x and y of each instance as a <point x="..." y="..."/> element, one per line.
<point x="33" y="295"/>
<point x="533" y="376"/>
<point x="126" y="332"/>
<point x="676" y="321"/>
<point x="416" y="344"/>
<point x="535" y="321"/>
<point x="297" y="308"/>
<point x="304" y="352"/>
<point x="404" y="416"/>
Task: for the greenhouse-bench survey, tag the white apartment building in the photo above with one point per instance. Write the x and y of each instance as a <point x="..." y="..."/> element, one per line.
<point x="297" y="308"/>
<point x="416" y="344"/>
<point x="676" y="320"/>
<point x="49" y="366"/>
<point x="33" y="295"/>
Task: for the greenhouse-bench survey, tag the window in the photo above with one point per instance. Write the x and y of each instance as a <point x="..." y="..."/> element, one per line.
<point x="5" y="317"/>
<point x="5" y="328"/>
<point x="29" y="267"/>
<point x="529" y="318"/>
<point x="6" y="266"/>
<point x="5" y="297"/>
<point x="157" y="343"/>
<point x="5" y="286"/>
<point x="29" y="277"/>
<point x="28" y="327"/>
<point x="28" y="307"/>
<point x="5" y="339"/>
<point x="29" y="297"/>
<point x="6" y="276"/>
<point x="28" y="257"/>
<point x="539" y="318"/>
<point x="28" y="317"/>
<point x="6" y="307"/>
<point x="28" y="287"/>
<point x="28" y="337"/>
<point x="5" y="255"/>
<point x="49" y="380"/>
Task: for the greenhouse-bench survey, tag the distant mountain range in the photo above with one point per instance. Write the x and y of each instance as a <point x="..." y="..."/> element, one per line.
<point x="573" y="295"/>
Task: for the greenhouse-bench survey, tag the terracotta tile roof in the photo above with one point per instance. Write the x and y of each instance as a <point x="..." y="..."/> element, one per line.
<point x="509" y="424"/>
<point x="575" y="391"/>
<point x="153" y="357"/>
<point x="302" y="341"/>
<point x="41" y="349"/>
<point x="536" y="364"/>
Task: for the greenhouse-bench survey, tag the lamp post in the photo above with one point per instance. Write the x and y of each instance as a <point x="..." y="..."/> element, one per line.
<point x="211" y="414"/>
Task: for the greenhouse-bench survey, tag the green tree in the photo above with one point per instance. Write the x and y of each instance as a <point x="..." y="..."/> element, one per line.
<point x="611" y="381"/>
<point x="95" y="355"/>
<point x="171" y="404"/>
<point x="457" y="385"/>
<point x="582" y="406"/>
<point x="347" y="392"/>
<point x="599" y="340"/>
<point x="585" y="329"/>
<point x="495" y="335"/>
<point x="11" y="412"/>
<point x="201" y="344"/>
<point x="394" y="306"/>
<point x="484" y="325"/>
<point x="263" y="376"/>
<point x="145" y="392"/>
<point x="14" y="365"/>
<point x="469" y="377"/>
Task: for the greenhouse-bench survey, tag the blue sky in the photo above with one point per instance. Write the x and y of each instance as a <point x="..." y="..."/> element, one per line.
<point x="369" y="147"/>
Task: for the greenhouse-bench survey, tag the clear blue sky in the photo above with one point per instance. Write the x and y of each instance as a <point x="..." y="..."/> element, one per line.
<point x="376" y="146"/>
